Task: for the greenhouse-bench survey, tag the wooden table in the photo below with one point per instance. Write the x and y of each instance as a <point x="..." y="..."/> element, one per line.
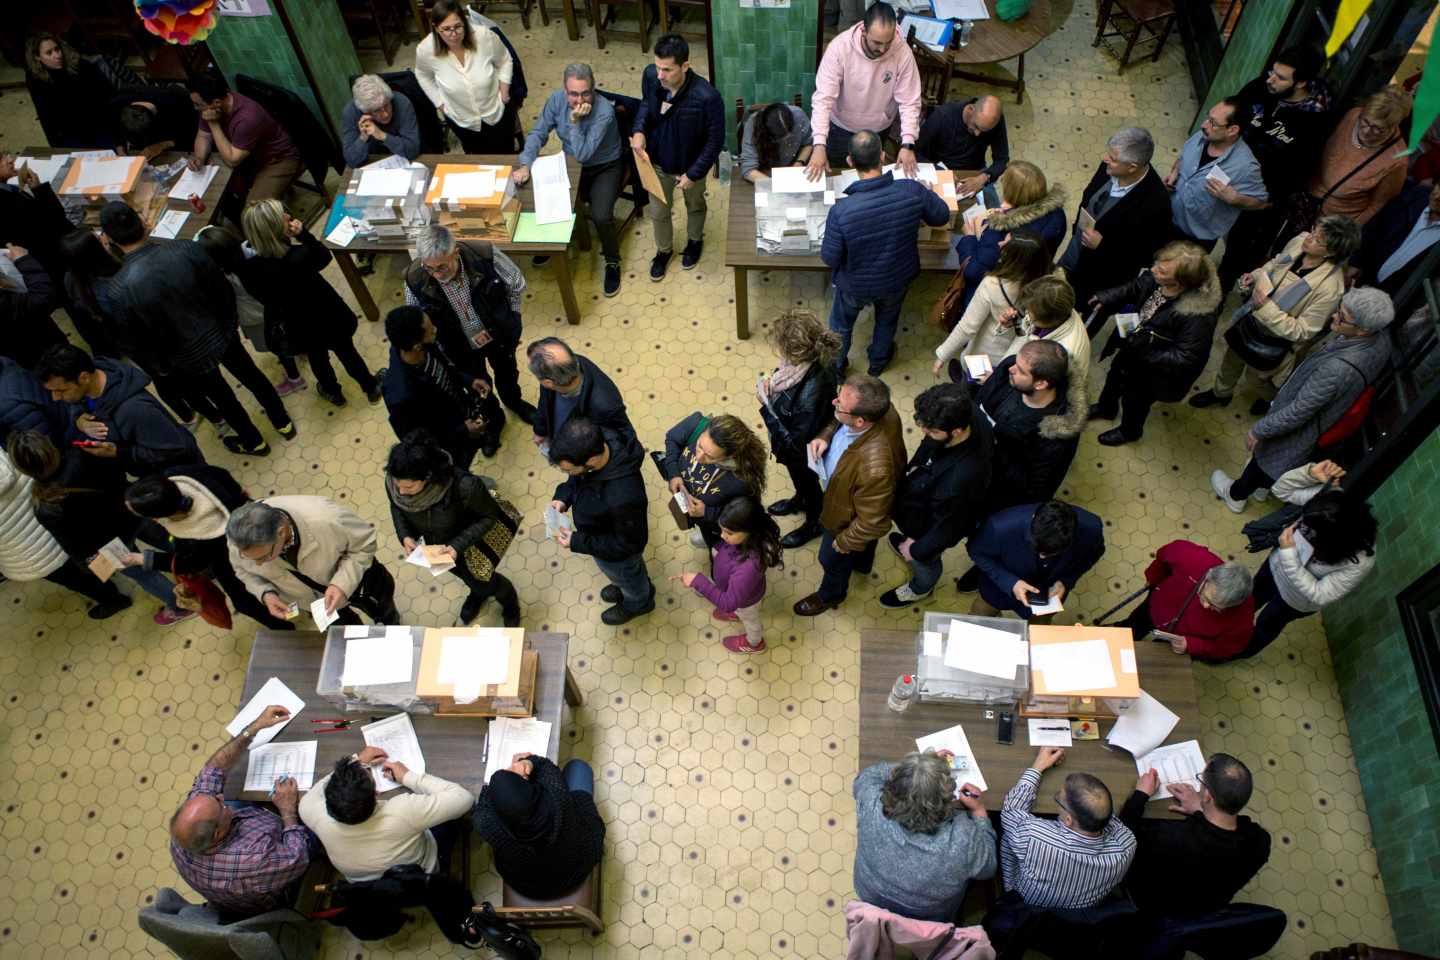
<point x="453" y="746"/>
<point x="557" y="252"/>
<point x="886" y="736"/>
<point x="193" y="223"/>
<point x="994" y="40"/>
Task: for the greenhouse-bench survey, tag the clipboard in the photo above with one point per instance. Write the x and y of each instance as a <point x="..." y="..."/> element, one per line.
<point x="683" y="520"/>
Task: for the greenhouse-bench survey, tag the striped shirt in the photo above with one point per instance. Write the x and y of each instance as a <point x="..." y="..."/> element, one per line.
<point x="1049" y="864"/>
<point x="457" y="292"/>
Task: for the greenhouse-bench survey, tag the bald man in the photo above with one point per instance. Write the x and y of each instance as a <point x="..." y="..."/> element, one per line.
<point x="959" y="135"/>
<point x="243" y="860"/>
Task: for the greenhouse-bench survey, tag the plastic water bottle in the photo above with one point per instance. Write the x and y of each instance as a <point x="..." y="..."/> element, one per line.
<point x="724" y="163"/>
<point x="902" y="694"/>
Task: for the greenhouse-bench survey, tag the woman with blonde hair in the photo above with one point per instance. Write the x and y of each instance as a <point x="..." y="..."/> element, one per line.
<point x="69" y="92"/>
<point x="303" y="313"/>
<point x="1362" y="166"/>
<point x="713" y="460"/>
<point x="1028" y="201"/>
<point x="795" y="405"/>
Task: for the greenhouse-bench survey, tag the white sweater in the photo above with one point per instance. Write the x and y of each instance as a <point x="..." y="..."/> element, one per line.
<point x="1314" y="585"/>
<point x="979" y="330"/>
<point x="27" y="551"/>
<point x="470" y="94"/>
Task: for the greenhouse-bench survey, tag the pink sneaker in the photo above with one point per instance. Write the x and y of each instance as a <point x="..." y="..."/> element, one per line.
<point x="719" y="614"/>
<point x="166" y="618"/>
<point x="286" y="386"/>
<point x="740" y="644"/>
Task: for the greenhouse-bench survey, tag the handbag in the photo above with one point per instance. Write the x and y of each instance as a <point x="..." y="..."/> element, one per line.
<point x="482" y="557"/>
<point x="947" y="311"/>
<point x="1260" y="349"/>
<point x="1302" y="209"/>
<point x="196" y="592"/>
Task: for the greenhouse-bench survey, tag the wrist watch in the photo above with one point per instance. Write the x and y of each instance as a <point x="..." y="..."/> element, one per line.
<point x="908" y="146"/>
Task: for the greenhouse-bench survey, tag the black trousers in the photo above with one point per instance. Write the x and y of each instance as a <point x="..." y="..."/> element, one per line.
<point x="505" y="373"/>
<point x="375" y="597"/>
<point x="1274" y="614"/>
<point x="349" y="357"/>
<point x="498" y="586"/>
<point x="72" y="576"/>
<point x="1252" y="479"/>
<point x="807" y="486"/>
<point x="1129" y="395"/>
<point x="213" y="386"/>
<point x="496" y="138"/>
<point x="599" y="186"/>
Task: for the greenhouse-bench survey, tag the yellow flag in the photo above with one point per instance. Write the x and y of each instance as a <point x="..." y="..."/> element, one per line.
<point x="1346" y="17"/>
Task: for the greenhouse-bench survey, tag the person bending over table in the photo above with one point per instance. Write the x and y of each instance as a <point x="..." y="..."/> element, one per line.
<point x="776" y="136"/>
<point x="959" y="135"/>
<point x="245" y="137"/>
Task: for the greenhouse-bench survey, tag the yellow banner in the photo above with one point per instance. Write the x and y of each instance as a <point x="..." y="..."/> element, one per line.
<point x="1346" y="17"/>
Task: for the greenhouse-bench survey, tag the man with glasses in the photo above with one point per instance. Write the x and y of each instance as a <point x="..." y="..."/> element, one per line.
<point x="1197" y="603"/>
<point x="297" y="549"/>
<point x="860" y="458"/>
<point x="1214" y="178"/>
<point x="960" y="133"/>
<point x="586" y="124"/>
<point x="242" y="859"/>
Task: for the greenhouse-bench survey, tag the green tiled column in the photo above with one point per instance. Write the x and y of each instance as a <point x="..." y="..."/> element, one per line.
<point x="764" y="54"/>
<point x="1248" y="50"/>
<point x="1389" y="730"/>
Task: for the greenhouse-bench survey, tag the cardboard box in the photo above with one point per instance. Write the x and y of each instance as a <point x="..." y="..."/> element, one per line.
<point x="514" y="697"/>
<point x="471" y="215"/>
<point x="1083" y="703"/>
<point x="120" y="176"/>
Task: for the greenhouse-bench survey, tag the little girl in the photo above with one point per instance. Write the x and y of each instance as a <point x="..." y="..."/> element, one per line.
<point x="750" y="542"/>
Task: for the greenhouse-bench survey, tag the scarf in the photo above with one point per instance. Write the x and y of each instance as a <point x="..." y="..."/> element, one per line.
<point x="525" y="809"/>
<point x="207" y="517"/>
<point x="432" y="493"/>
<point x="786" y="376"/>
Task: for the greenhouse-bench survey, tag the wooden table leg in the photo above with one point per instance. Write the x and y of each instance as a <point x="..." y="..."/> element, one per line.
<point x="421" y="21"/>
<point x="1020" y="82"/>
<point x="742" y="303"/>
<point x="567" y="286"/>
<point x="573" y="696"/>
<point x="572" y="26"/>
<point x="352" y="277"/>
<point x="580" y="234"/>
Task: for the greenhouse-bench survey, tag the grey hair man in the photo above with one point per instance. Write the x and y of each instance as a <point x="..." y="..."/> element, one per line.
<point x="585" y="122"/>
<point x="920" y="839"/>
<point x="572" y="385"/>
<point x="1123" y="218"/>
<point x="1197" y="602"/>
<point x="291" y="552"/>
<point x="378" y="121"/>
<point x="243" y="860"/>
<point x="1323" y="388"/>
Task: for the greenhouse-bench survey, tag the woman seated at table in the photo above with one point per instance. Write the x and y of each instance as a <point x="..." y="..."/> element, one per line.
<point x="777" y="136"/>
<point x="542" y="825"/>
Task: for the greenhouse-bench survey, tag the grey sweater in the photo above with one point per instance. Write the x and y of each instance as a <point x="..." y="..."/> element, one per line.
<point x="798" y="139"/>
<point x="917" y="875"/>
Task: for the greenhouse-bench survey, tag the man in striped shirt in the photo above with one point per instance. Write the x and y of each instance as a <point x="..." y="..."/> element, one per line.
<point x="1073" y="861"/>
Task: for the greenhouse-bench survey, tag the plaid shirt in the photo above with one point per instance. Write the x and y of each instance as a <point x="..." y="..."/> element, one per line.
<point x="457" y="292"/>
<point x="255" y="863"/>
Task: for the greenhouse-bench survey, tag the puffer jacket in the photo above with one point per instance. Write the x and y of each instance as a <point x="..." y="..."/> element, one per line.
<point x="871" y="234"/>
<point x="796" y="416"/>
<point x="27" y="551"/>
<point x="24" y="405"/>
<point x="861" y="493"/>
<point x="1045" y="218"/>
<point x="1029" y="467"/>
<point x="1170" y="349"/>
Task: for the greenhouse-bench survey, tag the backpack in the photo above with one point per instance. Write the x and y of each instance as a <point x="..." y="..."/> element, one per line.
<point x="946" y="311"/>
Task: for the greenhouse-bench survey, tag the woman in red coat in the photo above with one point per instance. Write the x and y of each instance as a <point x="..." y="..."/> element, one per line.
<point x="1203" y="602"/>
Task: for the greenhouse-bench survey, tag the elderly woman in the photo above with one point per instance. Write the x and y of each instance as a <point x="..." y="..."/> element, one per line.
<point x="1029" y="202"/>
<point x="303" y="312"/>
<point x="69" y="92"/>
<point x="1291" y="297"/>
<point x="914" y="851"/>
<point x="713" y="459"/>
<point x="466" y="74"/>
<point x="435" y="502"/>
<point x="1197" y="602"/>
<point x="777" y="136"/>
<point x="988" y="324"/>
<point x="1363" y="163"/>
<point x="1178" y="303"/>
<point x="378" y="122"/>
<point x="795" y="405"/>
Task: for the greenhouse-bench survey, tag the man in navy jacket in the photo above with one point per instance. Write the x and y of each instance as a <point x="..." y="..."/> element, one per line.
<point x="871" y="244"/>
<point x="680" y="127"/>
<point x="1411" y="220"/>
<point x="1038" y="548"/>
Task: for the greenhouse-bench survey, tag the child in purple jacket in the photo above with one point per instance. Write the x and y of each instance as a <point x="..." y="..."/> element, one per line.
<point x="750" y="542"/>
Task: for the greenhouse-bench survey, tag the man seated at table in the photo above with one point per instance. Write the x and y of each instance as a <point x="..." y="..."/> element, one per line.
<point x="1038" y="549"/>
<point x="365" y="836"/>
<point x="145" y="116"/>
<point x="1189" y="867"/>
<point x="245" y="137"/>
<point x="1202" y="601"/>
<point x="32" y="217"/>
<point x="242" y="859"/>
<point x="959" y="133"/>
<point x="378" y="122"/>
<point x="1070" y="862"/>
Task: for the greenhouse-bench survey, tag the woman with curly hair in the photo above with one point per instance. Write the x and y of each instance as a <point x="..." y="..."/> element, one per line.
<point x="713" y="460"/>
<point x="67" y="89"/>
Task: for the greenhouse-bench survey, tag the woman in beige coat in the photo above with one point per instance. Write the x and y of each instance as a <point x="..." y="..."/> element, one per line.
<point x="986" y="327"/>
<point x="1047" y="312"/>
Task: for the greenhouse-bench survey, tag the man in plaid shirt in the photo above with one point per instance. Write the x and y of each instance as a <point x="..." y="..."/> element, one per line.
<point x="244" y="860"/>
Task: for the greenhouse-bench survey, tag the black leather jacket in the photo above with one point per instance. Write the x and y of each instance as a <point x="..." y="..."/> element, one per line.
<point x="800" y="413"/>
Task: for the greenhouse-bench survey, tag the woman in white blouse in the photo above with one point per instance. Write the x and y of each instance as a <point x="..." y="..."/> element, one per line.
<point x="987" y="326"/>
<point x="466" y="73"/>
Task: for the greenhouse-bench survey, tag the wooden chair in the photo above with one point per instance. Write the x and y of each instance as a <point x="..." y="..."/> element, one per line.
<point x="601" y="19"/>
<point x="670" y="11"/>
<point x="383" y="20"/>
<point x="523" y="7"/>
<point x="578" y="908"/>
<point x="630" y="187"/>
<point x="1129" y="20"/>
<point x="936" y="71"/>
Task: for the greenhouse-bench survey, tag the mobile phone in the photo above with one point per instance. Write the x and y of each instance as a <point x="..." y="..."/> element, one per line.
<point x="1005" y="727"/>
<point x="1036" y="599"/>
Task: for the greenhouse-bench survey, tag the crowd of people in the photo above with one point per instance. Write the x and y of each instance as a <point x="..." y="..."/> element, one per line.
<point x="92" y="455"/>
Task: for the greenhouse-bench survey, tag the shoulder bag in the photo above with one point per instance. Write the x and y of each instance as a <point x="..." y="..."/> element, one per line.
<point x="1302" y="210"/>
<point x="1259" y="348"/>
<point x="947" y="311"/>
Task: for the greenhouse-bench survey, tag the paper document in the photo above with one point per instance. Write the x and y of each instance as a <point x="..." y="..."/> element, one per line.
<point x="273" y="692"/>
<point x="1304" y="549"/>
<point x="829" y="198"/>
<point x="1175" y="763"/>
<point x="468" y="186"/>
<point x="842" y="181"/>
<point x="1047" y="732"/>
<point x="986" y="650"/>
<point x="1085" y="221"/>
<point x="975" y="212"/>
<point x="511" y="735"/>
<point x="273" y="762"/>
<point x="794" y="214"/>
<point x="376" y="660"/>
<point x="193" y="182"/>
<point x="480" y="659"/>
<point x="551" y="188"/>
<point x="555" y="521"/>
<point x="924" y="172"/>
<point x="978" y="365"/>
<point x="1217" y="174"/>
<point x="935" y="34"/>
<point x="1051" y="605"/>
<point x="792" y="180"/>
<point x="92" y="154"/>
<point x="1126" y="323"/>
<point x="961" y="9"/>
<point x="343" y="233"/>
<point x="682" y="501"/>
<point x="396" y="736"/>
<point x="170" y="223"/>
<point x="1143" y="727"/>
<point x="648" y="178"/>
<point x="1067" y="667"/>
<point x="934" y="644"/>
<point x="1127" y="661"/>
<point x="529" y="230"/>
<point x="392" y="162"/>
<point x="952" y="744"/>
<point x="103" y="174"/>
<point x="383" y="182"/>
<point x="817" y="466"/>
<point x="110" y="560"/>
<point x="321" y="618"/>
<point x="947" y="190"/>
<point x="432" y="558"/>
<point x="46" y="168"/>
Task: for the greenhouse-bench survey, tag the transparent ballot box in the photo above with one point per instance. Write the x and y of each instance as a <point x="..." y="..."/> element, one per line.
<point x="401" y="696"/>
<point x="940" y="683"/>
<point x="790" y="223"/>
<point x="387" y="199"/>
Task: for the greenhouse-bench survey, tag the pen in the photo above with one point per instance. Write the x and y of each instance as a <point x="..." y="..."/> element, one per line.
<point x="1052" y="728"/>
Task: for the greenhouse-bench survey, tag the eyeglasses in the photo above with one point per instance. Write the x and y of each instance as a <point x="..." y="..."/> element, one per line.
<point x="443" y="267"/>
<point x="453" y="29"/>
<point x="1371" y="127"/>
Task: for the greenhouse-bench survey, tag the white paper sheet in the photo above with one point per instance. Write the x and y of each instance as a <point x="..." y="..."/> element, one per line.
<point x="829" y="198"/>
<point x="275" y="761"/>
<point x="947" y="190"/>
<point x="985" y="650"/>
<point x="376" y="660"/>
<point x="321" y="618"/>
<point x="1126" y="323"/>
<point x="170" y="223"/>
<point x="357" y="630"/>
<point x="396" y="736"/>
<point x="961" y="9"/>
<point x="417" y="558"/>
<point x="46" y="168"/>
<point x="924" y="172"/>
<point x="794" y="214"/>
<point x="398" y="633"/>
<point x="1143" y="727"/>
<point x="480" y="659"/>
<point x="1047" y="732"/>
<point x="1085" y="220"/>
<point x="555" y="521"/>
<point x="842" y="181"/>
<point x="1175" y="763"/>
<point x="952" y="741"/>
<point x="934" y="644"/>
<point x="792" y="180"/>
<point x="552" y="188"/>
<point x="1218" y="174"/>
<point x="511" y="735"/>
<point x="1127" y="661"/>
<point x="468" y="186"/>
<point x="1081" y="665"/>
<point x="817" y="466"/>
<point x="927" y="31"/>
<point x="978" y="365"/>
<point x="762" y="199"/>
<point x="273" y="692"/>
<point x="193" y="181"/>
<point x="1051" y="605"/>
<point x="102" y="173"/>
<point x="92" y="154"/>
<point x="383" y="182"/>
<point x="343" y="233"/>
<point x="109" y="560"/>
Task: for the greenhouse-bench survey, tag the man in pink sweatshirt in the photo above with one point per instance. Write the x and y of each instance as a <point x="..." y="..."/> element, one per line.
<point x="867" y="77"/>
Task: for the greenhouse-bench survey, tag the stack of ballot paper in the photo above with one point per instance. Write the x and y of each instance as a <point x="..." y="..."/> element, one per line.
<point x="1068" y="667"/>
<point x="511" y="735"/>
<point x="985" y="650"/>
<point x="433" y="558"/>
<point x="273" y="762"/>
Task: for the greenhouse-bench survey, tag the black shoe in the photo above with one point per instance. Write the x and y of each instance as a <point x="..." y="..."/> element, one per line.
<point x="374" y="394"/>
<point x="968" y="582"/>
<point x="103" y="611"/>
<point x="512" y="619"/>
<point x="469" y="610"/>
<point x="1115" y="438"/>
<point x="489" y="449"/>
<point x="875" y="369"/>
<point x="234" y="445"/>
<point x="784" y="508"/>
<point x="612" y="279"/>
<point x="617" y="615"/>
<point x="690" y="256"/>
<point x="660" y="264"/>
<point x="331" y="396"/>
<point x="539" y="261"/>
<point x="1207" y="398"/>
<point x="1098" y="412"/>
<point x="1259" y="408"/>
<point x="895" y="539"/>
<point x="800" y="536"/>
<point x="611" y="593"/>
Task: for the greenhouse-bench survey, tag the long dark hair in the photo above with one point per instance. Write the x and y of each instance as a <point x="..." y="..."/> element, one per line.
<point x="1025" y="257"/>
<point x="1339" y="526"/>
<point x="87" y="260"/>
<point x="746" y="515"/>
<point x="772" y="126"/>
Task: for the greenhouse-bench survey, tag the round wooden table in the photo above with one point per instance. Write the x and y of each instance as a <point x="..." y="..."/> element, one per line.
<point x="994" y="41"/>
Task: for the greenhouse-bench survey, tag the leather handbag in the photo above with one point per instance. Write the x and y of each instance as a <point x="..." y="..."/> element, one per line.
<point x="947" y="311"/>
<point x="482" y="557"/>
<point x="1260" y="349"/>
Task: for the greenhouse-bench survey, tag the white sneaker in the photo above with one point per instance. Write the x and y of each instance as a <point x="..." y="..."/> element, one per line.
<point x="1220" y="482"/>
<point x="1261" y="494"/>
<point x="697" y="539"/>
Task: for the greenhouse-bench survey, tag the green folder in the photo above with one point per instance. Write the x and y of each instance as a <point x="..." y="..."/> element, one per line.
<point x="528" y="231"/>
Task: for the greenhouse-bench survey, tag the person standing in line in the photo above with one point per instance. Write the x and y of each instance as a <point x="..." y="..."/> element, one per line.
<point x="714" y="460"/>
<point x="750" y="544"/>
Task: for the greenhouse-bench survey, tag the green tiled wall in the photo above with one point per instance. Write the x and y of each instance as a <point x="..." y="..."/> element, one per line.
<point x="763" y="55"/>
<point x="1389" y="730"/>
<point x="1248" y="50"/>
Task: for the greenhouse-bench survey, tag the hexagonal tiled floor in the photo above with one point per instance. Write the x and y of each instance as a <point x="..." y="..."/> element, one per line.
<point x="724" y="782"/>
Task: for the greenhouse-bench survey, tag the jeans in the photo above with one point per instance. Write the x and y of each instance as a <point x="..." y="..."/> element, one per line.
<point x="375" y="596"/>
<point x="1252" y="479"/>
<point x="579" y="776"/>
<point x="1274" y="614"/>
<point x="630" y="575"/>
<point x="72" y="576"/>
<point x="887" y="317"/>
<point x="154" y="583"/>
<point x="659" y="213"/>
<point x="599" y="186"/>
<point x="1128" y="394"/>
<point x="838" y="567"/>
<point x="213" y="386"/>
<point x="924" y="574"/>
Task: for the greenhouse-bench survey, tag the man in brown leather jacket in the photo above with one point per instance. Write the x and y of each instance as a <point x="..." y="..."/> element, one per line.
<point x="860" y="458"/>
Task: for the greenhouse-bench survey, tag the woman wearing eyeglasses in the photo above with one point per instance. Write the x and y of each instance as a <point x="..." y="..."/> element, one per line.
<point x="1197" y="602"/>
<point x="466" y="74"/>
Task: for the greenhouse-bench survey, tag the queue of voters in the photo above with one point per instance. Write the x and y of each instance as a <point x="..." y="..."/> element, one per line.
<point x="969" y="430"/>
